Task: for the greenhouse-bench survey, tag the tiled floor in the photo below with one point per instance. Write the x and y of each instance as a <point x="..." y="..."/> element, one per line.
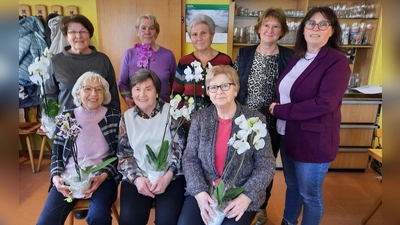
<point x="347" y="196"/>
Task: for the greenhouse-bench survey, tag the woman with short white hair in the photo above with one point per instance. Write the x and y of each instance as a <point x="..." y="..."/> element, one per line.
<point x="96" y="143"/>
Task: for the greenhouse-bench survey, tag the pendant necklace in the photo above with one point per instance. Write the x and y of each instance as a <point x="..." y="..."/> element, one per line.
<point x="309" y="58"/>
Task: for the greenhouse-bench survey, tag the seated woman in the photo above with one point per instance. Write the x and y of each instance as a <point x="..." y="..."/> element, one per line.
<point x="140" y="126"/>
<point x="97" y="142"/>
<point x="208" y="152"/>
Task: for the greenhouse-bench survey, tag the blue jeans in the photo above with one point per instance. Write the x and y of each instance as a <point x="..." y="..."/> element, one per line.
<point x="304" y="189"/>
<point x="56" y="209"/>
<point x="135" y="207"/>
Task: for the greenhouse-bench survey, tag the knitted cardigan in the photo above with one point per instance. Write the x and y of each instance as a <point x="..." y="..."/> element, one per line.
<point x="198" y="160"/>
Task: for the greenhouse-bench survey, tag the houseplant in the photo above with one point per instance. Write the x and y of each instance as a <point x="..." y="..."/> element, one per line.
<point x="80" y="180"/>
<point x="158" y="162"/>
<point x="39" y="74"/>
<point x="144" y="53"/>
<point x="195" y="72"/>
<point x="251" y="134"/>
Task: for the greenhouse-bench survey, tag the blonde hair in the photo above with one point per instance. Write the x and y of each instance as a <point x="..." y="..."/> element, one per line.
<point x="150" y="17"/>
<point x="229" y="71"/>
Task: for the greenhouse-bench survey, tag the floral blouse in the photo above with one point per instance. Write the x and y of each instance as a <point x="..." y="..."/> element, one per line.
<point x="127" y="164"/>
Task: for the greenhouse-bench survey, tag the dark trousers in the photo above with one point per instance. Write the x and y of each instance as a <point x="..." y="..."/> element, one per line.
<point x="56" y="209"/>
<point x="191" y="215"/>
<point x="135" y="207"/>
<point x="275" y="149"/>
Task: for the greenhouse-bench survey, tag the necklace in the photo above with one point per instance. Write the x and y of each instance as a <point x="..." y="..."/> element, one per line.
<point x="265" y="52"/>
<point x="309" y="58"/>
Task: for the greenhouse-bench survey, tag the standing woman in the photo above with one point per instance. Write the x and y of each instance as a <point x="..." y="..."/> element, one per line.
<point x="309" y="97"/>
<point x="201" y="29"/>
<point x="74" y="60"/>
<point x="162" y="62"/>
<point x="259" y="67"/>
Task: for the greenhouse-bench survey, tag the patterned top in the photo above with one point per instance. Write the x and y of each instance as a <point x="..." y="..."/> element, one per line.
<point x="181" y="86"/>
<point x="261" y="84"/>
<point x="128" y="165"/>
<point x="61" y="150"/>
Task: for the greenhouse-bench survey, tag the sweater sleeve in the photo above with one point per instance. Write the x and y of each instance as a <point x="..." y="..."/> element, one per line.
<point x="123" y="80"/>
<point x="115" y="104"/>
<point x="127" y="165"/>
<point x="195" y="179"/>
<point x="51" y="86"/>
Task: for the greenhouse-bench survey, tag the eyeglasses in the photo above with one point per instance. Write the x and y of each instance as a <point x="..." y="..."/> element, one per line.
<point x="310" y="24"/>
<point x="89" y="89"/>
<point x="224" y="87"/>
<point x="81" y="32"/>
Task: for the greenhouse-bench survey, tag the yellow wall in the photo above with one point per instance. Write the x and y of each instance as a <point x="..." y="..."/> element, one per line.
<point x="87" y="8"/>
<point x="375" y="76"/>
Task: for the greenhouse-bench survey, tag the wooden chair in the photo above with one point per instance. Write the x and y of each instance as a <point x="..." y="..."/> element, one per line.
<point x="83" y="204"/>
<point x="28" y="125"/>
<point x="375" y="153"/>
<point x="44" y="143"/>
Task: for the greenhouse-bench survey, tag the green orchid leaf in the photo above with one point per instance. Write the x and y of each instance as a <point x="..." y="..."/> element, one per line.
<point x="102" y="165"/>
<point x="151" y="154"/>
<point x="233" y="193"/>
<point x="219" y="192"/>
<point x="87" y="169"/>
<point x="163" y="156"/>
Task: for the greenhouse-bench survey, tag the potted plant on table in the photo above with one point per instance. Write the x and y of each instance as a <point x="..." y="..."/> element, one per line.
<point x="79" y="181"/>
<point x="158" y="160"/>
<point x="251" y="134"/>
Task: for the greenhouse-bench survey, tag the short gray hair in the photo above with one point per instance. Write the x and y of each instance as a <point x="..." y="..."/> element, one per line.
<point x="201" y="18"/>
<point x="82" y="80"/>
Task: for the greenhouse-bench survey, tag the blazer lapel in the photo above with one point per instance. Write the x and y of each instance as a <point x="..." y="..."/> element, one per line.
<point x="310" y="70"/>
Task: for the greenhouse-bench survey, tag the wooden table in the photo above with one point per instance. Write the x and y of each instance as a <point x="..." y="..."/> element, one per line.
<point x="375" y="154"/>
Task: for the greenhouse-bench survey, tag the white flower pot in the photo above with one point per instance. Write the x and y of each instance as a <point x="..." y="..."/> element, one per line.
<point x="153" y="175"/>
<point x="77" y="187"/>
<point x="49" y="124"/>
<point x="219" y="218"/>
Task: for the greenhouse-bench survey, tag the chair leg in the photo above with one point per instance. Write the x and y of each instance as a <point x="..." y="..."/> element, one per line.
<point x="115" y="211"/>
<point x="48" y="146"/>
<point x="28" y="143"/>
<point x="42" y="145"/>
<point x="70" y="218"/>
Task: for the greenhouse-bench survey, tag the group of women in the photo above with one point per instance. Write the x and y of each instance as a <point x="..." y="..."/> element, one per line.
<point x="297" y="94"/>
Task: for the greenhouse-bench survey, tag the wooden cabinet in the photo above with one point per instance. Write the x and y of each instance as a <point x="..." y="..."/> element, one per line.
<point x="359" y="112"/>
<point x="359" y="118"/>
<point x="360" y="56"/>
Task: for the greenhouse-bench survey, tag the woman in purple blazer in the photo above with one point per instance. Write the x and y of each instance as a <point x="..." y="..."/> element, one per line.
<point x="309" y="97"/>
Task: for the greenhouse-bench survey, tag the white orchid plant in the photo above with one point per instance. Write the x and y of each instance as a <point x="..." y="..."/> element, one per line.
<point x="70" y="129"/>
<point x="251" y="133"/>
<point x="39" y="74"/>
<point x="160" y="162"/>
<point x="195" y="72"/>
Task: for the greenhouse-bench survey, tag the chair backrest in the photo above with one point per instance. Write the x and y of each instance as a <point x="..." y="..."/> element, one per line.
<point x="30" y="114"/>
